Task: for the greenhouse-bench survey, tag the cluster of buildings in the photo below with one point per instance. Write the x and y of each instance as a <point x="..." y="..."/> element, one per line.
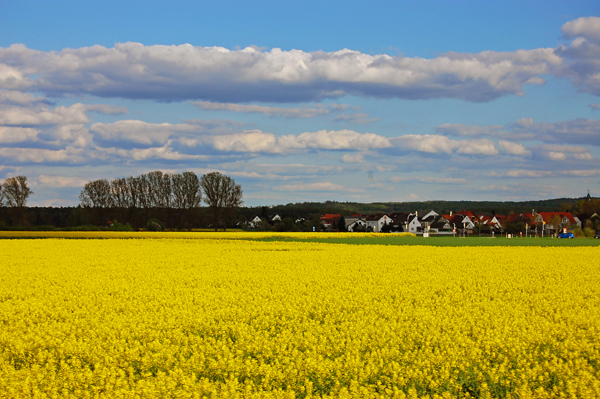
<point x="432" y="222"/>
<point x="453" y="223"/>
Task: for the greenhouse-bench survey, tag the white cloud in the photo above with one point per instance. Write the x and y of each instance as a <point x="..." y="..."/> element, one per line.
<point x="513" y="148"/>
<point x="526" y="173"/>
<point x="40" y="155"/>
<point x="250" y="141"/>
<point x="106" y="109"/>
<point x="258" y="141"/>
<point x="477" y="147"/>
<point x="555" y="152"/>
<point x="595" y="106"/>
<point x="359" y="118"/>
<point x="353" y="158"/>
<point x="454" y="129"/>
<point x="132" y="70"/>
<point x="430" y="180"/>
<point x="141" y="132"/>
<point x="19" y="98"/>
<point x="586" y="27"/>
<point x="260" y="109"/>
<point x="59" y="181"/>
<point x="342" y="139"/>
<point x="582" y="173"/>
<point x="436" y="144"/>
<point x="574" y="131"/>
<point x="317" y="187"/>
<point x="17" y="134"/>
<point x="426" y="143"/>
<point x="582" y="55"/>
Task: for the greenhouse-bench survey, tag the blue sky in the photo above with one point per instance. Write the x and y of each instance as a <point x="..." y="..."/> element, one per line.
<point x="311" y="101"/>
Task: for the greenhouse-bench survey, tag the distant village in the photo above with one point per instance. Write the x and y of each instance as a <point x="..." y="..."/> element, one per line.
<point x="454" y="223"/>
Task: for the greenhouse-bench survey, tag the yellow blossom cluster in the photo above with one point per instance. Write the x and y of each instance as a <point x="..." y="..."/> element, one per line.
<point x="186" y="318"/>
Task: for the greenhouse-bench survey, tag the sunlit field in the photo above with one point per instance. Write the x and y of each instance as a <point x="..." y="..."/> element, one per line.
<point x="183" y="317"/>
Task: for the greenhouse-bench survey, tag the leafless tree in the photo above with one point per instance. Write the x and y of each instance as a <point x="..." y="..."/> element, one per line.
<point x="120" y="193"/>
<point x="187" y="193"/>
<point x="96" y="194"/>
<point x="140" y="191"/>
<point x="15" y="191"/>
<point x="222" y="196"/>
<point x="160" y="189"/>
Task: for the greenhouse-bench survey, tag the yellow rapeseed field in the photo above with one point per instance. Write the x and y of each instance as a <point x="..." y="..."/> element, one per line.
<point x="188" y="318"/>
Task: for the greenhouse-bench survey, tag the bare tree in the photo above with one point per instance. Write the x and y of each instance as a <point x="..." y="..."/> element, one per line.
<point x="15" y="191"/>
<point x="140" y="191"/>
<point x="96" y="194"/>
<point x="160" y="189"/>
<point x="187" y="193"/>
<point x="120" y="193"/>
<point x="1" y="197"/>
<point x="222" y="196"/>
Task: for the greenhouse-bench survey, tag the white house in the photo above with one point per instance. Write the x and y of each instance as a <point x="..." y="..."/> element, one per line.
<point x="376" y="222"/>
<point x="414" y="226"/>
<point x="254" y="222"/>
<point x="355" y="223"/>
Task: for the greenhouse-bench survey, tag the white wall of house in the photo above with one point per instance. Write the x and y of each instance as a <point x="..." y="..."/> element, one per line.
<point x="376" y="225"/>
<point x="414" y="226"/>
<point x="358" y="222"/>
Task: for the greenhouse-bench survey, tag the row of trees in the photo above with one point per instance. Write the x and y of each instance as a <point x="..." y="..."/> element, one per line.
<point x="174" y="198"/>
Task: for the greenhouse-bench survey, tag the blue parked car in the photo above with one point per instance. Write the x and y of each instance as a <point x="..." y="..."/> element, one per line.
<point x="566" y="235"/>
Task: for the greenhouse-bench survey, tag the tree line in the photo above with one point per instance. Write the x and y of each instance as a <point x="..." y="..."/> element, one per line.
<point x="159" y="199"/>
<point x="155" y="201"/>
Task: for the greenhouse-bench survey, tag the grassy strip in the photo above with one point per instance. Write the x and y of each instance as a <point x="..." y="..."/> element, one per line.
<point x="448" y="241"/>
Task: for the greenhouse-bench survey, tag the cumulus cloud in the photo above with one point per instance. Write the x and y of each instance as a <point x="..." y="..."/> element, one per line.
<point x="59" y="181"/>
<point x="477" y="147"/>
<point x="14" y="97"/>
<point x="430" y="180"/>
<point x="575" y="131"/>
<point x="17" y="134"/>
<point x="523" y="173"/>
<point x="586" y="27"/>
<point x="455" y="129"/>
<point x="359" y="118"/>
<point x="249" y="141"/>
<point x="41" y="155"/>
<point x="353" y="158"/>
<point x="582" y="55"/>
<point x="106" y="109"/>
<point x="260" y="109"/>
<point x="513" y="148"/>
<point x="132" y="70"/>
<point x="561" y="152"/>
<point x="582" y="172"/>
<point x="258" y="141"/>
<point x="436" y="144"/>
<point x="25" y="118"/>
<point x="140" y="132"/>
<point x="317" y="187"/>
<point x="426" y="143"/>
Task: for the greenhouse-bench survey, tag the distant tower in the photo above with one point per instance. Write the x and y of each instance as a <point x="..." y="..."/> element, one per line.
<point x="588" y="196"/>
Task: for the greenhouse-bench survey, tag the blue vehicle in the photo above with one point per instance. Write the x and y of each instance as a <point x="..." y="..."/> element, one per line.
<point x="566" y="235"/>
